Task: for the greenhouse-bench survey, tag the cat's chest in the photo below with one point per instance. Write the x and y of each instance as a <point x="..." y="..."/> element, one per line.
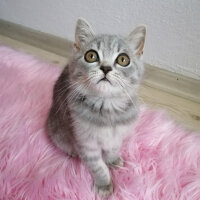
<point x="105" y="106"/>
<point x="105" y="111"/>
<point x="113" y="136"/>
<point x="103" y="136"/>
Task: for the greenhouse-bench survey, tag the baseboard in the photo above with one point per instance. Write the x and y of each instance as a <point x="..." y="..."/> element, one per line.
<point x="52" y="43"/>
<point x="173" y="83"/>
<point x="154" y="77"/>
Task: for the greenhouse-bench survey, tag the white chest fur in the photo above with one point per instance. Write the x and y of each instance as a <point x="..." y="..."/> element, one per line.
<point x="91" y="122"/>
<point x="104" y="137"/>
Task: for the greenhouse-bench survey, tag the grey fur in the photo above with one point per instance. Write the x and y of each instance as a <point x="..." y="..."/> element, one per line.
<point x="90" y="117"/>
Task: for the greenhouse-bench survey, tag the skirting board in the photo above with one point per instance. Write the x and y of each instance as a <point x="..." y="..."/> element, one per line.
<point x="154" y="77"/>
<point x="48" y="42"/>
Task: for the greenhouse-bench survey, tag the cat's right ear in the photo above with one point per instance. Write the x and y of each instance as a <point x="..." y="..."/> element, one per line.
<point x="83" y="33"/>
<point x="136" y="39"/>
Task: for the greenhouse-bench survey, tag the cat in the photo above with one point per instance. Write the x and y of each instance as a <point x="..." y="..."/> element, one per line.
<point x="95" y="100"/>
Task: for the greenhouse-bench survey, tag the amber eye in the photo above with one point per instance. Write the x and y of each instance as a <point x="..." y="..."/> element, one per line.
<point x="123" y="60"/>
<point x="91" y="56"/>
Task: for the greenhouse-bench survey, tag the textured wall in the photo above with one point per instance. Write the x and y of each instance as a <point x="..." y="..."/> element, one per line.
<point x="173" y="40"/>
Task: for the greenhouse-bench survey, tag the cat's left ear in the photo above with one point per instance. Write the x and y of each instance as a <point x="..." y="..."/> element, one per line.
<point x="136" y="39"/>
<point x="83" y="33"/>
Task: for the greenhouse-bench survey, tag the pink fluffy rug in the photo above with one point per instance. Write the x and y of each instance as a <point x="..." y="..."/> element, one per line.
<point x="162" y="161"/>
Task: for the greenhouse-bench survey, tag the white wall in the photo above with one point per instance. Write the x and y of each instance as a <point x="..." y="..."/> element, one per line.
<point x="173" y="39"/>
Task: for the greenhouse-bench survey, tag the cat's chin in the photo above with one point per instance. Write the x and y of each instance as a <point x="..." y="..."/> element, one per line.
<point x="106" y="88"/>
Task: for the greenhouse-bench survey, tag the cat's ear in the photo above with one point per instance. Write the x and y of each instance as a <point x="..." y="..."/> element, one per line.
<point x="137" y="39"/>
<point x="83" y="33"/>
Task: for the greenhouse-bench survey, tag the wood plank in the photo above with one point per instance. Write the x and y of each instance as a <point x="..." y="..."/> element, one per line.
<point x="184" y="111"/>
<point x="173" y="83"/>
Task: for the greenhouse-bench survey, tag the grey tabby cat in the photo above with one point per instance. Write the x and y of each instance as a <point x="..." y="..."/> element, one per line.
<point x="95" y="100"/>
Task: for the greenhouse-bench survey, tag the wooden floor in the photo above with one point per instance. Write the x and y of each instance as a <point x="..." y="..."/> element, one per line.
<point x="186" y="112"/>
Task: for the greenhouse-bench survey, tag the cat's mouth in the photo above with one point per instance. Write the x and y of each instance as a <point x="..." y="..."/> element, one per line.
<point x="104" y="79"/>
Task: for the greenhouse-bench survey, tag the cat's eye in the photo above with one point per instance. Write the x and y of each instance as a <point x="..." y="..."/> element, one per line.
<point x="91" y="56"/>
<point x="123" y="60"/>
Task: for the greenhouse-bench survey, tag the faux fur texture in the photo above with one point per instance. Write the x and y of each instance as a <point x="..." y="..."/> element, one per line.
<point x="162" y="161"/>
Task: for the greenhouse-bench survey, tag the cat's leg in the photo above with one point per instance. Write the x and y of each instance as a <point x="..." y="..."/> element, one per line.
<point x="112" y="157"/>
<point x="99" y="170"/>
<point x="111" y="147"/>
<point x="111" y="153"/>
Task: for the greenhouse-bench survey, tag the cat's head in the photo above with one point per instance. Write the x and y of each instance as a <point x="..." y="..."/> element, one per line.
<point x="107" y="63"/>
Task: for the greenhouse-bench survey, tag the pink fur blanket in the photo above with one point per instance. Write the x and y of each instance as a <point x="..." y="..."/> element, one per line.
<point x="162" y="160"/>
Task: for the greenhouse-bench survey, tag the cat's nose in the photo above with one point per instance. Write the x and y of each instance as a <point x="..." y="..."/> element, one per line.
<point x="106" y="69"/>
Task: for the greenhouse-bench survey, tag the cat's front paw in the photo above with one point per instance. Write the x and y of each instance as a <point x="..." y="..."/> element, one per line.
<point x="104" y="190"/>
<point x="116" y="163"/>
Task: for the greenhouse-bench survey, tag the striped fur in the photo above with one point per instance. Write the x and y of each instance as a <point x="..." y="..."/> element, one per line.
<point x="90" y="117"/>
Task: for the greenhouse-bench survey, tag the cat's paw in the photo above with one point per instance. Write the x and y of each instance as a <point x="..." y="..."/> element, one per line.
<point x="104" y="190"/>
<point x="116" y="163"/>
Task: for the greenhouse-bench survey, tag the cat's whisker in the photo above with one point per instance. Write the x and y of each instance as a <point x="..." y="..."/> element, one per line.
<point x="118" y="81"/>
<point x="68" y="86"/>
<point x="74" y="93"/>
<point x="130" y="98"/>
<point x="64" y="89"/>
<point x="77" y="90"/>
<point x="68" y="98"/>
<point x="60" y="97"/>
<point x="126" y="84"/>
<point x="124" y="89"/>
<point x="93" y="78"/>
